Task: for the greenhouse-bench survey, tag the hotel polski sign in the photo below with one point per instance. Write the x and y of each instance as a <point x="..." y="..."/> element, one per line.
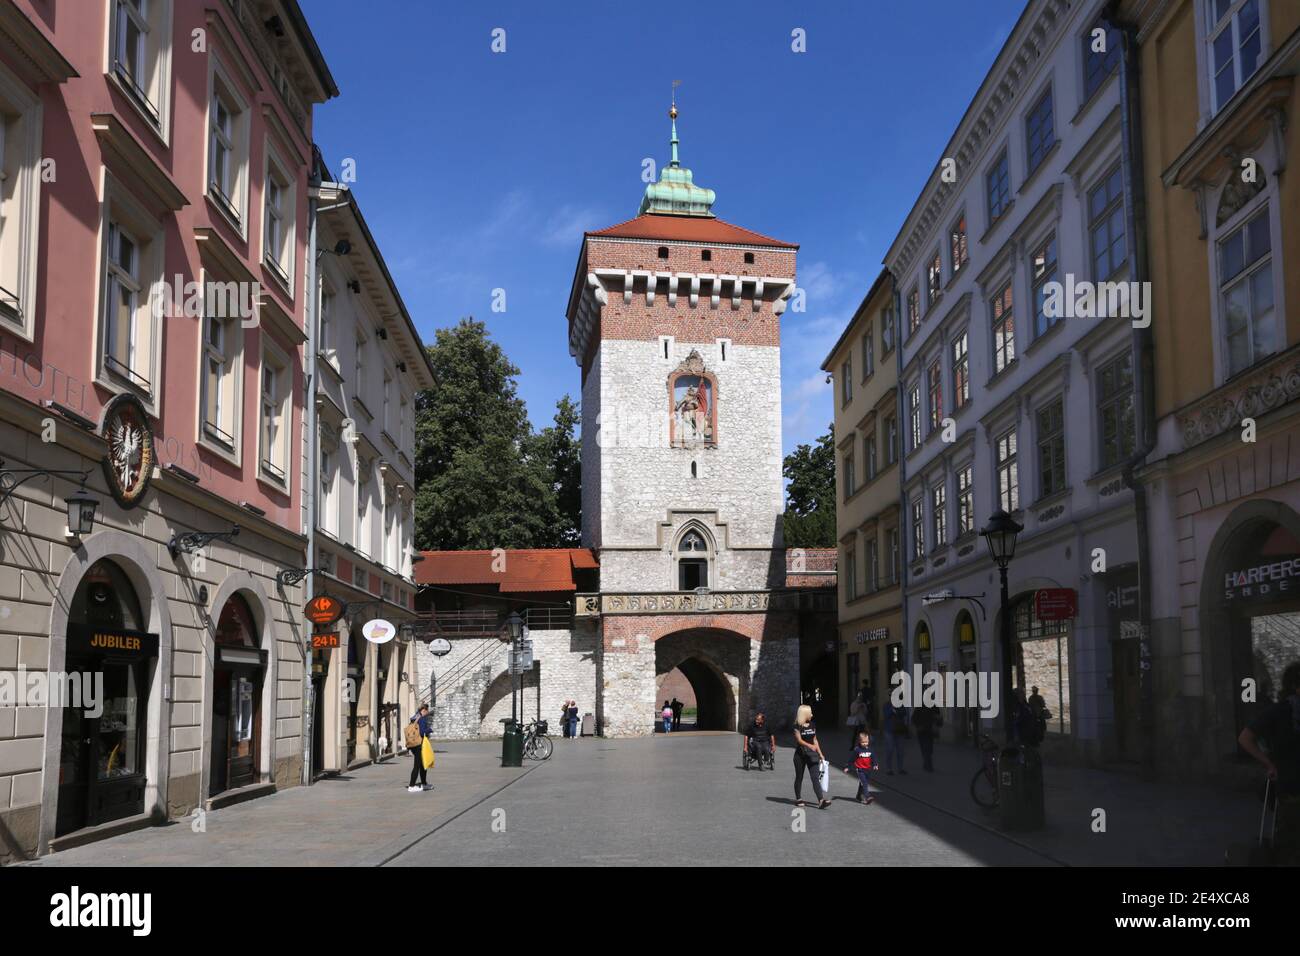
<point x="1263" y="582"/>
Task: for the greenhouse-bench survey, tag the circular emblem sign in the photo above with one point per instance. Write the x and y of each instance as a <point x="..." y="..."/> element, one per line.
<point x="439" y="646"/>
<point x="324" y="610"/>
<point x="378" y="631"/>
<point x="128" y="466"/>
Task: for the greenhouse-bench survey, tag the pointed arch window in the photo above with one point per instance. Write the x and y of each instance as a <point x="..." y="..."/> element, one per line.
<point x="692" y="562"/>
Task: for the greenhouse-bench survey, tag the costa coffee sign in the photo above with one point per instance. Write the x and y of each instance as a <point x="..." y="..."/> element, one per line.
<point x="872" y="635"/>
<point x="1263" y="582"/>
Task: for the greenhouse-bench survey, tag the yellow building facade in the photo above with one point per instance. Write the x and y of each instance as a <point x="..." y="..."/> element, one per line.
<point x="1214" y="118"/>
<point x="864" y="368"/>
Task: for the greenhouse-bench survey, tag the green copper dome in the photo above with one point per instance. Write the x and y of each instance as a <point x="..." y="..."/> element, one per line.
<point x="675" y="194"/>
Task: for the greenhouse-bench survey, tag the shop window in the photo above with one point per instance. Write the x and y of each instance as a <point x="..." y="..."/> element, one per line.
<point x="102" y="759"/>
<point x="1042" y="662"/>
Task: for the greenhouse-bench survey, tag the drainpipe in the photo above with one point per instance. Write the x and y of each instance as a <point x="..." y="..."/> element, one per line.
<point x="902" y="479"/>
<point x="1143" y="366"/>
<point x="309" y="423"/>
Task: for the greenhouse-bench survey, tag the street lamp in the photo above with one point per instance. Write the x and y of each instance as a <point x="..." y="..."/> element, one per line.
<point x="515" y="624"/>
<point x="1000" y="535"/>
<point x="81" y="513"/>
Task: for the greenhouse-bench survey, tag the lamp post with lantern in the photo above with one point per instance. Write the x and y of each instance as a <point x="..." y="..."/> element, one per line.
<point x="1000" y="534"/>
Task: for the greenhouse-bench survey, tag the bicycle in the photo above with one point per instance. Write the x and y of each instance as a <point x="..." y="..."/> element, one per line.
<point x="984" y="785"/>
<point x="537" y="746"/>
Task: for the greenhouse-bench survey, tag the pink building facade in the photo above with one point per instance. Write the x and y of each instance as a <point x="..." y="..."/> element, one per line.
<point x="149" y="143"/>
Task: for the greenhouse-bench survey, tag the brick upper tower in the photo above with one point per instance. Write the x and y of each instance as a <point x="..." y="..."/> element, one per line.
<point x="674" y="318"/>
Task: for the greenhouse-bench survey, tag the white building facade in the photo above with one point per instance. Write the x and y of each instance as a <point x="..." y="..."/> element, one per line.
<point x="1005" y="402"/>
<point x="369" y="363"/>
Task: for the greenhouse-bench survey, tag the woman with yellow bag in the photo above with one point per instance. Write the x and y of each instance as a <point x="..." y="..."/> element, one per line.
<point x="418" y="743"/>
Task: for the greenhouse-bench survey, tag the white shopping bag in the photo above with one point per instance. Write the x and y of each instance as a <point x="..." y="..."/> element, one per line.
<point x="826" y="778"/>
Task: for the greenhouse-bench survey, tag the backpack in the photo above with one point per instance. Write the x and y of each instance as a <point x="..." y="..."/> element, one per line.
<point x="413" y="735"/>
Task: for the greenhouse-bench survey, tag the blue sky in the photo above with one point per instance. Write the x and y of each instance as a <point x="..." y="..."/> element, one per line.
<point x="479" y="170"/>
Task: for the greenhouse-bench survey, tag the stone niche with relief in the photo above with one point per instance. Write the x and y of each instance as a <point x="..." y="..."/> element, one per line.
<point x="692" y="404"/>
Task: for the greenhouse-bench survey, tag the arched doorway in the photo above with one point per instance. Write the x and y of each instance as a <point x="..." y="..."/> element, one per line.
<point x="238" y="673"/>
<point x="1250" y="617"/>
<point x="109" y="662"/>
<point x="1041" y="666"/>
<point x="716" y="665"/>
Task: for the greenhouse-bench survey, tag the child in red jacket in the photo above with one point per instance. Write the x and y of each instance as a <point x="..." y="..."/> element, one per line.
<point x="862" y="766"/>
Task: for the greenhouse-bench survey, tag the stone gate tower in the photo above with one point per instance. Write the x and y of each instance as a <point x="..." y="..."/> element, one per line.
<point x="674" y="319"/>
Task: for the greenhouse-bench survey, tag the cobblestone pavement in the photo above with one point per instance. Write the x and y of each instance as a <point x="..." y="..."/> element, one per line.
<point x="681" y="800"/>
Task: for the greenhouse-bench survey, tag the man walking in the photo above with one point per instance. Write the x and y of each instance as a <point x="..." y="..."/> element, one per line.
<point x="1279" y="729"/>
<point x="926" y="719"/>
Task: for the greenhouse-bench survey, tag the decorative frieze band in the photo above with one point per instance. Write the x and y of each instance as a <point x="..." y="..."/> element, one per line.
<point x="1272" y="386"/>
<point x="695" y="602"/>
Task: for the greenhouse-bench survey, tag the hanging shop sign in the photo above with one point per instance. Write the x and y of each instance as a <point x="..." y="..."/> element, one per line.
<point x="439" y="647"/>
<point x="320" y="642"/>
<point x="378" y="631"/>
<point x="129" y="464"/>
<point x="1263" y="582"/>
<point x="1056" y="604"/>
<point x="324" y="610"/>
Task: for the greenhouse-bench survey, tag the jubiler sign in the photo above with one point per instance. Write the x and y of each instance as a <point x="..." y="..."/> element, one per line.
<point x="119" y="643"/>
<point x="1263" y="582"/>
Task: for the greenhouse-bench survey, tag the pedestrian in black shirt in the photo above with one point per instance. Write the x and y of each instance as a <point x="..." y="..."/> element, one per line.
<point x="807" y="756"/>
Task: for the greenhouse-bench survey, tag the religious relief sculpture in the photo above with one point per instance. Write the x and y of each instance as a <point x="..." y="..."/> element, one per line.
<point x="694" y="412"/>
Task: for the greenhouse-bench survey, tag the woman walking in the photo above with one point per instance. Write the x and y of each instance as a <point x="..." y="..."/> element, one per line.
<point x="807" y="756"/>
<point x="421" y="720"/>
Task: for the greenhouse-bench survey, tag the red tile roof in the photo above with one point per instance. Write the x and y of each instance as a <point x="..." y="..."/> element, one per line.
<point x="539" y="569"/>
<point x="688" y="229"/>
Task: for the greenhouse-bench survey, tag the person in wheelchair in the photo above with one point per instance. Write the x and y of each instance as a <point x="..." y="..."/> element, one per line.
<point x="760" y="745"/>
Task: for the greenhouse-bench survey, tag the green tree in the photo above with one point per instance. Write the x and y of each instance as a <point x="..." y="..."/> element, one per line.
<point x="481" y="481"/>
<point x="809" y="519"/>
<point x="558" y="448"/>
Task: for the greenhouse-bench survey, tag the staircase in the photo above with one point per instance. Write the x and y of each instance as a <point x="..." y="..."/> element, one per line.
<point x="455" y="714"/>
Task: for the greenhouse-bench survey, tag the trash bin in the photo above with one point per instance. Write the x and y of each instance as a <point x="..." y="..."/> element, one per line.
<point x="588" y="725"/>
<point x="512" y="745"/>
<point x="1020" y="788"/>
